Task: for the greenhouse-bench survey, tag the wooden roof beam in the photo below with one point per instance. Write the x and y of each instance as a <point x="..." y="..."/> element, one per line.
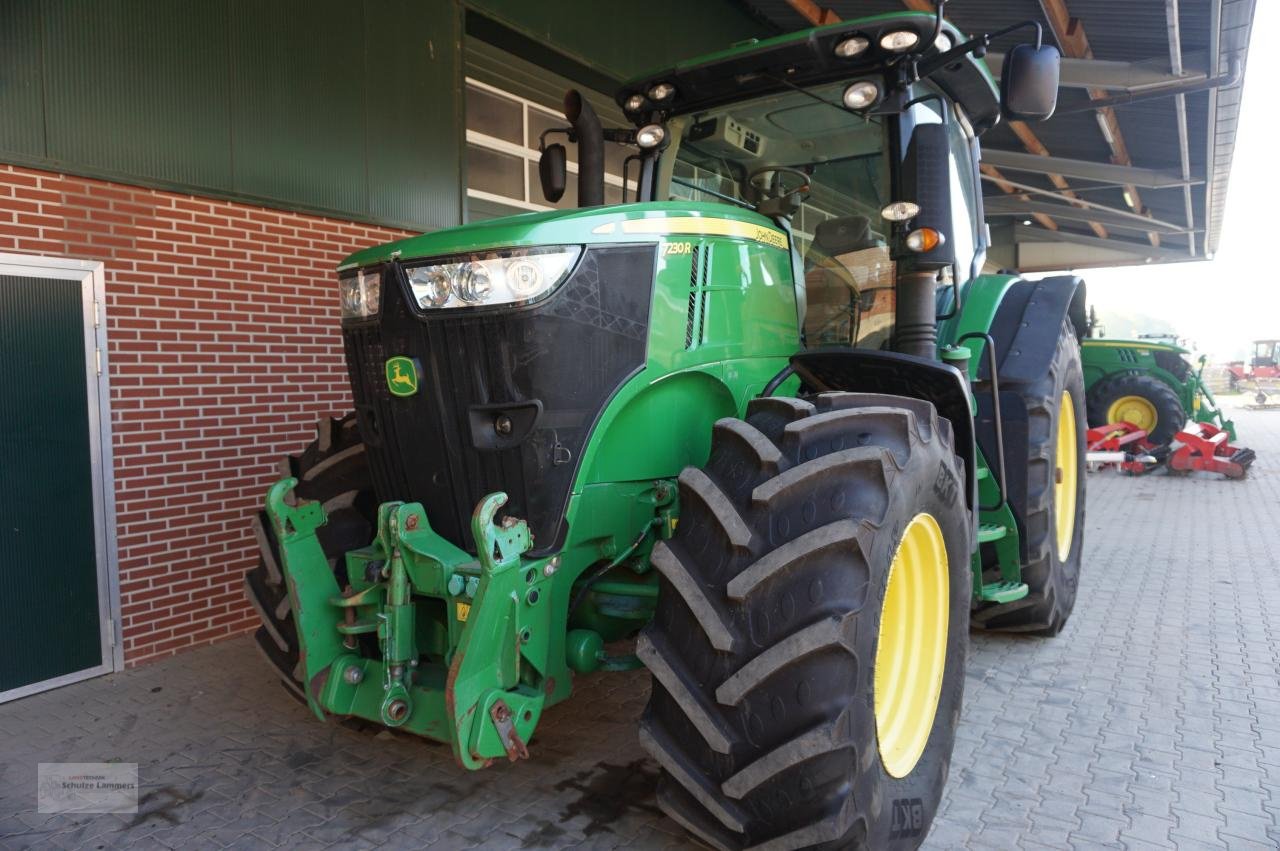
<point x="1071" y="38"/>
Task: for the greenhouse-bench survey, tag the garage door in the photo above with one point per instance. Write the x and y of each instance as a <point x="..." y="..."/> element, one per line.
<point x="54" y="564"/>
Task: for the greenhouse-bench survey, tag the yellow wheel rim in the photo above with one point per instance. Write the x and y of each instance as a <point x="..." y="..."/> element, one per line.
<point x="911" y="649"/>
<point x="1065" y="461"/>
<point x="1135" y="410"/>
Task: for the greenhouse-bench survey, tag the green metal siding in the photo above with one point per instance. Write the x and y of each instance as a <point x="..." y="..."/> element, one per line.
<point x="414" y="125"/>
<point x="347" y="107"/>
<point x="21" y="106"/>
<point x="332" y="106"/>
<point x="47" y="560"/>
<point x="297" y="102"/>
<point x="624" y="39"/>
<point x="138" y="87"/>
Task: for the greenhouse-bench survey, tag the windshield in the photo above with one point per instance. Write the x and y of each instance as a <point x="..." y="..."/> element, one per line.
<point x="837" y="229"/>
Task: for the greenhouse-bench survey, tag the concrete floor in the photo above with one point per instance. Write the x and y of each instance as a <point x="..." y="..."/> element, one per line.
<point x="1152" y="721"/>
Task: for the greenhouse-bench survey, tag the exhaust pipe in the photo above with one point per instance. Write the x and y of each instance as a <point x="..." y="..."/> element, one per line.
<point x="590" y="135"/>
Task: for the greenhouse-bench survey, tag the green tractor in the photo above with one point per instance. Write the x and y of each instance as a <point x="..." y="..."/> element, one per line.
<point x="766" y="431"/>
<point x="1150" y="383"/>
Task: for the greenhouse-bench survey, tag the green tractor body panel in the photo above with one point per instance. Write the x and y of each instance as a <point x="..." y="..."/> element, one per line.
<point x="722" y="322"/>
<point x="1105" y="358"/>
<point x="466" y="631"/>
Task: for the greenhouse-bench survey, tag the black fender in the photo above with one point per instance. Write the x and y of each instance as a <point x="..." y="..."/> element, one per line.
<point x="872" y="371"/>
<point x="1025" y="330"/>
<point x="1029" y="308"/>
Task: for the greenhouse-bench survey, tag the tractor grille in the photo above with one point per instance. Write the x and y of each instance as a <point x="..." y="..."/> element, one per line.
<point x="545" y="372"/>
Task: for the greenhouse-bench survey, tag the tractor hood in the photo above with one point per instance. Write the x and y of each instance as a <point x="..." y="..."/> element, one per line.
<point x="1152" y="345"/>
<point x="622" y="223"/>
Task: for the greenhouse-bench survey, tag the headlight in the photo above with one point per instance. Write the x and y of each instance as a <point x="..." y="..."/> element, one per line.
<point x="650" y="136"/>
<point x="899" y="40"/>
<point x="492" y="278"/>
<point x="851" y="46"/>
<point x="861" y="95"/>
<point x="360" y="290"/>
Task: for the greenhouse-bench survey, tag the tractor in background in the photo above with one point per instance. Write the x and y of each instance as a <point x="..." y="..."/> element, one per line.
<point x="770" y="422"/>
<point x="1151" y="384"/>
<point x="1264" y="366"/>
<point x="1149" y="408"/>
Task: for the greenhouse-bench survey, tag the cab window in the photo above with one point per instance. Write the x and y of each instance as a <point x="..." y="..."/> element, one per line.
<point x="848" y="275"/>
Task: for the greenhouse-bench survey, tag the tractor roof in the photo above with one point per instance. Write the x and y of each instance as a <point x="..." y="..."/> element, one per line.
<point x="807" y="58"/>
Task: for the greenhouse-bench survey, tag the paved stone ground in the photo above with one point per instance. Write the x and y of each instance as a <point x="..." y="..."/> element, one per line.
<point x="1152" y="721"/>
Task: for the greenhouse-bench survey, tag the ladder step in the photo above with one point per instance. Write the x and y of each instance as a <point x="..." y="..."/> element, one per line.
<point x="988" y="532"/>
<point x="1003" y="592"/>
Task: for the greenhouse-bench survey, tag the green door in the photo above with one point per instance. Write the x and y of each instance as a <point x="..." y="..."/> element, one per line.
<point x="50" y="537"/>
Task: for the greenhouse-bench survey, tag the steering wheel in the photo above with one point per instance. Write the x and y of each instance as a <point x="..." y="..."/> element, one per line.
<point x="756" y="190"/>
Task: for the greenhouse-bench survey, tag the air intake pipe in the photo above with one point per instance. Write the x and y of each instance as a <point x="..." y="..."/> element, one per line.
<point x="590" y="136"/>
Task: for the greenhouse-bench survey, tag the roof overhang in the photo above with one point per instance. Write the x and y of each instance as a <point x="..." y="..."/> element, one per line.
<point x="1133" y="167"/>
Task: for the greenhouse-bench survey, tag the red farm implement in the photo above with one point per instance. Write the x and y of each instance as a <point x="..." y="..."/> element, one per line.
<point x="1199" y="447"/>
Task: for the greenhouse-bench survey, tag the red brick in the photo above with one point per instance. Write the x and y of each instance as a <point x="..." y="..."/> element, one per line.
<point x="202" y="294"/>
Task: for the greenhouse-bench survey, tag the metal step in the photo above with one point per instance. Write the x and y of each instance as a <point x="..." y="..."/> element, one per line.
<point x="1003" y="592"/>
<point x="989" y="532"/>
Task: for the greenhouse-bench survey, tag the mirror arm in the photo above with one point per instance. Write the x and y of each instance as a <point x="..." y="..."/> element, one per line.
<point x="942" y="102"/>
<point x="937" y="22"/>
<point x="542" y="139"/>
<point x="978" y="46"/>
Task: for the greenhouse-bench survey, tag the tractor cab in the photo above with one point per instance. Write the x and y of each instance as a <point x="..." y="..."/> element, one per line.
<point x="860" y="141"/>
<point x="1264" y="354"/>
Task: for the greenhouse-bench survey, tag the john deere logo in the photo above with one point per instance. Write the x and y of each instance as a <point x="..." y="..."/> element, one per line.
<point x="402" y="376"/>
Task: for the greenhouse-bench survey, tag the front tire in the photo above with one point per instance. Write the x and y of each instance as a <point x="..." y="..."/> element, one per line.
<point x="822" y="548"/>
<point x="1142" y="400"/>
<point x="333" y="471"/>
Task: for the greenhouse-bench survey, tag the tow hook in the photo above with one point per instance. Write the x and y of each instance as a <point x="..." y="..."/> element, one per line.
<point x="511" y="741"/>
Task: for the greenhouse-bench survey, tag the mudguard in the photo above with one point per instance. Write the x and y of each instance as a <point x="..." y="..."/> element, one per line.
<point x="1025" y="329"/>
<point x="1029" y="308"/>
<point x="872" y="371"/>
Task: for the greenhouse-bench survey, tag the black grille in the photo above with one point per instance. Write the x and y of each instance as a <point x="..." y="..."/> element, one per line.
<point x="548" y="369"/>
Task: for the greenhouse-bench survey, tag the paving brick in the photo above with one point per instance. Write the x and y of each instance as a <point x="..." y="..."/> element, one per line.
<point x="1152" y="721"/>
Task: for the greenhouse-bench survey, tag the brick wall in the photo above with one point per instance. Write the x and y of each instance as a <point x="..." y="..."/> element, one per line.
<point x="223" y="345"/>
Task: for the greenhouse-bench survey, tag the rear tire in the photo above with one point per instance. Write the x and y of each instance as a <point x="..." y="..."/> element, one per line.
<point x="332" y="470"/>
<point x="1163" y="401"/>
<point x="763" y="648"/>
<point x="1051" y="578"/>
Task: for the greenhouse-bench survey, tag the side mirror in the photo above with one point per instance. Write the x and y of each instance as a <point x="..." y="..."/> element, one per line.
<point x="1029" y="82"/>
<point x="926" y="182"/>
<point x="552" y="172"/>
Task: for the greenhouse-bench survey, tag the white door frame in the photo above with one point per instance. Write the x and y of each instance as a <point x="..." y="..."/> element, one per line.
<point x="93" y="301"/>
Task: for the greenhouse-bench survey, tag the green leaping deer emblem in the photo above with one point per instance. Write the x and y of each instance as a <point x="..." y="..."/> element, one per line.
<point x="402" y="376"/>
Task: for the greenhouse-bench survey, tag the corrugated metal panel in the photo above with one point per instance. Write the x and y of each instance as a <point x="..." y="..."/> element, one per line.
<point x="298" y="112"/>
<point x="22" y="126"/>
<point x="622" y="39"/>
<point x="47" y="559"/>
<point x="333" y="106"/>
<point x="414" y="128"/>
<point x="138" y="87"/>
